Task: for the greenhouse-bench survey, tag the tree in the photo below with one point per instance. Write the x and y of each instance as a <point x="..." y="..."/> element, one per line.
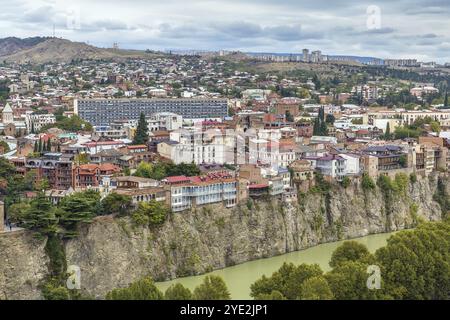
<point x="150" y="213"/>
<point x="143" y="289"/>
<point x="79" y="207"/>
<point x="348" y="281"/>
<point x="287" y="280"/>
<point x="274" y="295"/>
<point x="178" y="292"/>
<point x="115" y="203"/>
<point x="212" y="288"/>
<point x="349" y="251"/>
<point x="40" y="216"/>
<point x="387" y="134"/>
<point x="6" y="168"/>
<point x="320" y="126"/>
<point x="316" y="288"/>
<point x="367" y="182"/>
<point x="330" y="119"/>
<point x="4" y="146"/>
<point x="141" y="136"/>
<point x="415" y="264"/>
<point x="446" y="99"/>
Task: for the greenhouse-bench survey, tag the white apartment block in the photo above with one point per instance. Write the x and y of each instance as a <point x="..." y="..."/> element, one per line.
<point x="167" y="121"/>
<point x="37" y="121"/>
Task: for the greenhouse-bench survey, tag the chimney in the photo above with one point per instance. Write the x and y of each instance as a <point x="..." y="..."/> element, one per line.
<point x="2" y="216"/>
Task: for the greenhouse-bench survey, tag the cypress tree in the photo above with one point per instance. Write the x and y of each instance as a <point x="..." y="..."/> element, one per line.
<point x="141" y="136"/>
<point x="446" y="99"/>
<point x="40" y="145"/>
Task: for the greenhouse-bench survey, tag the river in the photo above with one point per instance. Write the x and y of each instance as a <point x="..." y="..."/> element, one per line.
<point x="239" y="278"/>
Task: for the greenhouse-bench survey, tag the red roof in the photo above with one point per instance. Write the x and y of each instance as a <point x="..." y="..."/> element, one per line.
<point x="258" y="186"/>
<point x="177" y="179"/>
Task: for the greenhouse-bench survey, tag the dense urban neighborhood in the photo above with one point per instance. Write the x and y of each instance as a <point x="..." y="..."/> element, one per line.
<point x="122" y="127"/>
<point x="164" y="135"/>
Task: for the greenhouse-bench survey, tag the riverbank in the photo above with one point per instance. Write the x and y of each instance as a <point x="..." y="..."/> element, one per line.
<point x="239" y="278"/>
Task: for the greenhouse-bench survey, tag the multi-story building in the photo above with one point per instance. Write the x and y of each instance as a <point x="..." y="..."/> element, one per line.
<point x="102" y="112"/>
<point x="165" y="121"/>
<point x="92" y="175"/>
<point x="35" y="122"/>
<point x="51" y="167"/>
<point x="189" y="192"/>
<point x="331" y="166"/>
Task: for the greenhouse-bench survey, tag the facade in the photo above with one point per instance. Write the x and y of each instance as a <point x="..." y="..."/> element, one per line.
<point x="165" y="121"/>
<point x="189" y="192"/>
<point x="57" y="172"/>
<point x="102" y="112"/>
<point x="92" y="175"/>
<point x="35" y="122"/>
<point x="332" y="166"/>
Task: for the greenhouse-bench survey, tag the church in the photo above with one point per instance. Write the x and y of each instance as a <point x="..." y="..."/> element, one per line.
<point x="10" y="126"/>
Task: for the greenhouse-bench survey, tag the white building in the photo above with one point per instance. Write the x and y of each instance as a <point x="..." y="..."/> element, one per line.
<point x="35" y="122"/>
<point x="166" y="121"/>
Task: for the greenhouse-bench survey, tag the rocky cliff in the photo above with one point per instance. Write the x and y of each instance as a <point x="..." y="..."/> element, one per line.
<point x="112" y="252"/>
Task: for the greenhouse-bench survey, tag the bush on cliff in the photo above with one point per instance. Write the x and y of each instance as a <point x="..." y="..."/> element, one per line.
<point x="150" y="213"/>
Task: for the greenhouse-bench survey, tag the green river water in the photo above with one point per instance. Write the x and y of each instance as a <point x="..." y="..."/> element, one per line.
<point x="239" y="278"/>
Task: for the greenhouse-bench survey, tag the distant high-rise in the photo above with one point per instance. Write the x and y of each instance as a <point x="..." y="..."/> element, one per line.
<point x="316" y="56"/>
<point x="305" y="55"/>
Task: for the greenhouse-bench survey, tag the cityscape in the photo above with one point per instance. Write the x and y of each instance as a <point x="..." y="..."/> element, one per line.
<point x="147" y="174"/>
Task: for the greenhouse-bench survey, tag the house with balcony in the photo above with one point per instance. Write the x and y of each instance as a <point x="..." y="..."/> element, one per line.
<point x="190" y="192"/>
<point x="331" y="166"/>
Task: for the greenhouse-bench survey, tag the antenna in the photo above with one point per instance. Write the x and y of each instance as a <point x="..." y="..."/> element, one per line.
<point x="53" y="30"/>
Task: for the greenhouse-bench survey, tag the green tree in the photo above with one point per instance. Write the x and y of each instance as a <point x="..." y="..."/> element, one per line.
<point x="212" y="288"/>
<point x="274" y="295"/>
<point x="143" y="289"/>
<point x="387" y="134"/>
<point x="115" y="203"/>
<point x="178" y="292"/>
<point x="6" y="168"/>
<point x="315" y="288"/>
<point x="150" y="213"/>
<point x="416" y="264"/>
<point x="141" y="136"/>
<point x="367" y="182"/>
<point x="287" y="280"/>
<point x="5" y="146"/>
<point x="349" y="251"/>
<point x="79" y="207"/>
<point x="40" y="216"/>
<point x="348" y="281"/>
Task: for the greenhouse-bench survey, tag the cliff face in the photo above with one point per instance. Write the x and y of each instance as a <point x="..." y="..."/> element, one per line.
<point x="112" y="252"/>
<point x="23" y="264"/>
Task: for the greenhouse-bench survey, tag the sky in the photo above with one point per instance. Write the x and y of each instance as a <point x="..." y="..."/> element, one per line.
<point x="418" y="29"/>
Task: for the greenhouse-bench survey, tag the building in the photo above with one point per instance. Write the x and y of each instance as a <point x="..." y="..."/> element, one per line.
<point x="332" y="166"/>
<point x="102" y="112"/>
<point x="92" y="175"/>
<point x="190" y="192"/>
<point x="51" y="167"/>
<point x="165" y="121"/>
<point x="35" y="122"/>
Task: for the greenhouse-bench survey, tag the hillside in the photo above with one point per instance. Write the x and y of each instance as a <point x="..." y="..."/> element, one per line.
<point x="12" y="45"/>
<point x="61" y="50"/>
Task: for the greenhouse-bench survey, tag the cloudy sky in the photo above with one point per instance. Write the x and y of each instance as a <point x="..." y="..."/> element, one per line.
<point x="381" y="28"/>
